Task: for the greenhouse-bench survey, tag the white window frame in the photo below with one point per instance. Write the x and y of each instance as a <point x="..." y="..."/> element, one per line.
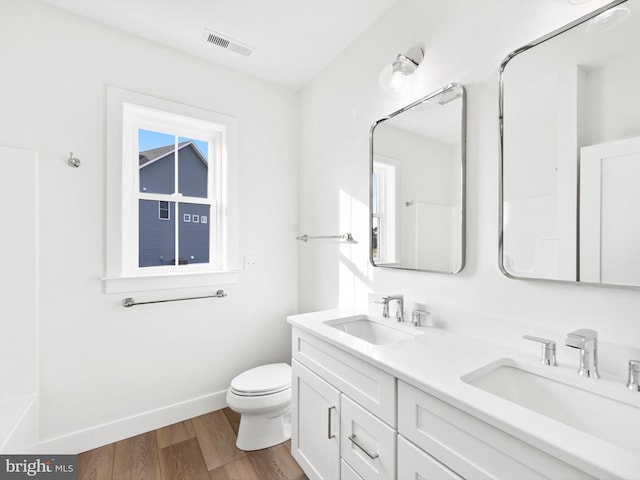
<point x="387" y="170"/>
<point x="126" y="113"/>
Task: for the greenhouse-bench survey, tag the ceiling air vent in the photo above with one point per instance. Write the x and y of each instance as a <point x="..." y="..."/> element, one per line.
<point x="226" y="43"/>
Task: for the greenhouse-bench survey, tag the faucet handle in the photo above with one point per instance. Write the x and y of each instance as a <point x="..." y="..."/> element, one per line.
<point x="418" y="316"/>
<point x="548" y="356"/>
<point x="634" y="376"/>
<point x="384" y="301"/>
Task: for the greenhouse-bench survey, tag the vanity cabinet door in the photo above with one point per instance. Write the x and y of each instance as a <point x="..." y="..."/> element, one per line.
<point x="415" y="463"/>
<point x="367" y="444"/>
<point x="315" y="424"/>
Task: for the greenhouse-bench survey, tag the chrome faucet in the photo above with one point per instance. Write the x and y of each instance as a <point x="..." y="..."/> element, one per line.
<point x="399" y="309"/>
<point x="400" y="306"/>
<point x="634" y="376"/>
<point x="585" y="340"/>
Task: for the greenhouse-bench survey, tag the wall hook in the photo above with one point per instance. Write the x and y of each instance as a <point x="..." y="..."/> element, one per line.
<point x="73" y="161"/>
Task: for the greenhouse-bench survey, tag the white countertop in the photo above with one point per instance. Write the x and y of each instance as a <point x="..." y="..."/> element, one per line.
<point x="436" y="360"/>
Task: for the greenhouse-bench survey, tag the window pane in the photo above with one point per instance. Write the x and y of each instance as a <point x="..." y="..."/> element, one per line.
<point x="157" y="244"/>
<point x="374" y="193"/>
<point x="375" y="235"/>
<point x="193" y="165"/>
<point x="156" y="156"/>
<point x="194" y="235"/>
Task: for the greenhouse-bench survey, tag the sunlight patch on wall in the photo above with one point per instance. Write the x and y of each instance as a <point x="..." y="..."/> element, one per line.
<point x="354" y="282"/>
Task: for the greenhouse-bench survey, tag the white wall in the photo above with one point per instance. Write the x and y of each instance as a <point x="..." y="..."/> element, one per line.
<point x="101" y="363"/>
<point x="18" y="274"/>
<point x="611" y="89"/>
<point x="465" y="41"/>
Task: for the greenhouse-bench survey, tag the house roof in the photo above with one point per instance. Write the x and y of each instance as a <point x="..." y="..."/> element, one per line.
<point x="147" y="157"/>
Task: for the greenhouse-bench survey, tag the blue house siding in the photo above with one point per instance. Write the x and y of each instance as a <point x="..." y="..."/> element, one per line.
<point x="192" y="174"/>
<point x="156" y="235"/>
<point x="158" y="176"/>
<point x="194" y="236"/>
<point x="156" y="238"/>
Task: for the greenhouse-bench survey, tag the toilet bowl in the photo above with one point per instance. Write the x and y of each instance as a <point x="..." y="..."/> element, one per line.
<point x="262" y="397"/>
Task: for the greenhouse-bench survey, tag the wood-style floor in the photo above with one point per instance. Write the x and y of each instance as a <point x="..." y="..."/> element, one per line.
<point x="203" y="448"/>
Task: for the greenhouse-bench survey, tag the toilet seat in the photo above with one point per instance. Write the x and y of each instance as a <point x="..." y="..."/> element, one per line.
<point x="264" y="380"/>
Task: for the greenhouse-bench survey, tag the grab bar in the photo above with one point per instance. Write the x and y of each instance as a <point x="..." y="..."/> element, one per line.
<point x="130" y="302"/>
<point x="347" y="237"/>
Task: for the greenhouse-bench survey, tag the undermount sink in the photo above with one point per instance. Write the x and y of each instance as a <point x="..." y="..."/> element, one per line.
<point x="598" y="410"/>
<point x="373" y="331"/>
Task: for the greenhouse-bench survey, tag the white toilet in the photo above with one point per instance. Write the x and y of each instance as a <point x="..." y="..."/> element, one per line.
<point x="262" y="396"/>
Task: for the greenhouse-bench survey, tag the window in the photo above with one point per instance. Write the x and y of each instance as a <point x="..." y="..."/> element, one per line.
<point x="384" y="210"/>
<point x="172" y="160"/>
<point x="167" y="162"/>
<point x="163" y="210"/>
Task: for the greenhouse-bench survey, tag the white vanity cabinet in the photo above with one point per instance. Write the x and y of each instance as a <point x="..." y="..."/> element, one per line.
<point x="343" y="413"/>
<point x="354" y="421"/>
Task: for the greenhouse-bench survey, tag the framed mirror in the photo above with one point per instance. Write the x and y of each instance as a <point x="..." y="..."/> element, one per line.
<point x="570" y="152"/>
<point x="417" y="184"/>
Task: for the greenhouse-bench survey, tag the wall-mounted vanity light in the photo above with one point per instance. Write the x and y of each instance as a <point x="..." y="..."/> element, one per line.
<point x="607" y="20"/>
<point x="394" y="78"/>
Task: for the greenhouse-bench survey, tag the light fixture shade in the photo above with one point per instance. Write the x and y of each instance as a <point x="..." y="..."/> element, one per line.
<point x="394" y="77"/>
<point x="391" y="82"/>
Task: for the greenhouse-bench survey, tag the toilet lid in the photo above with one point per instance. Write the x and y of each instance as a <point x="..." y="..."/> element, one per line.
<point x="263" y="380"/>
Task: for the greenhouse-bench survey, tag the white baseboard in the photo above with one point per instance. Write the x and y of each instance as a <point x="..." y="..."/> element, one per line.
<point x="105" y="434"/>
<point x="18" y="423"/>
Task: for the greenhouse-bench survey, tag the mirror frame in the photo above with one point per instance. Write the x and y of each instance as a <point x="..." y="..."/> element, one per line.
<point x="503" y="65"/>
<point x="463" y="172"/>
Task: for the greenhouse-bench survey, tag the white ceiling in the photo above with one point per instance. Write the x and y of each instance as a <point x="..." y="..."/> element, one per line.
<point x="293" y="39"/>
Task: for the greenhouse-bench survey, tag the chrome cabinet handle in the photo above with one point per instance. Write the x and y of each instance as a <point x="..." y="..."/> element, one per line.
<point x="353" y="439"/>
<point x="329" y="434"/>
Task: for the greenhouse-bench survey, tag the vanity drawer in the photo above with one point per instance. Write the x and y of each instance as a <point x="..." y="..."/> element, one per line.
<point x="414" y="463"/>
<point x="366" y="444"/>
<point x="471" y="447"/>
<point x="370" y="387"/>
<point x="348" y="473"/>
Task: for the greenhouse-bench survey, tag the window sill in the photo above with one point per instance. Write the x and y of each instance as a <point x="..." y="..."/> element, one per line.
<point x="141" y="283"/>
